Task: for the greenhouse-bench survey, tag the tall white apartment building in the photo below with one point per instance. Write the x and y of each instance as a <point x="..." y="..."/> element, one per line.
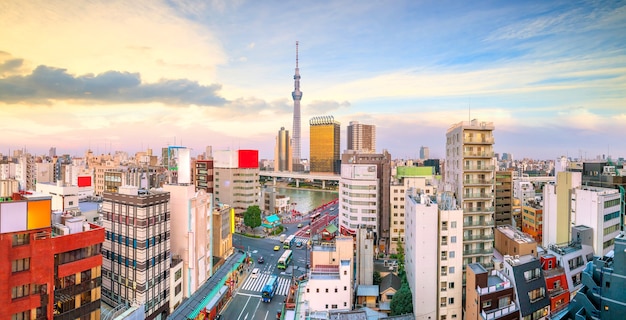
<point x="434" y="272"/>
<point x="136" y="251"/>
<point x="191" y="233"/>
<point x="568" y="203"/>
<point x="358" y="198"/>
<point x="406" y="177"/>
<point x="470" y="171"/>
<point x="599" y="209"/>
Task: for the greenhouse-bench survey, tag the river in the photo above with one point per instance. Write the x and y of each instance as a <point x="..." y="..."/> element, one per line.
<point x="307" y="199"/>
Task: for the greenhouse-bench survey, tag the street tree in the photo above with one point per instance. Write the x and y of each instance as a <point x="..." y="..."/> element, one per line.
<point x="402" y="301"/>
<point x="252" y="217"/>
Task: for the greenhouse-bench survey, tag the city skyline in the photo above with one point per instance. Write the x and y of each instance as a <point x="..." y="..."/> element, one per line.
<point x="130" y="76"/>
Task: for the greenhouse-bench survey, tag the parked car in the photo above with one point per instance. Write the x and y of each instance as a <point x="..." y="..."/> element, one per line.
<point x="260" y="260"/>
<point x="276" y="248"/>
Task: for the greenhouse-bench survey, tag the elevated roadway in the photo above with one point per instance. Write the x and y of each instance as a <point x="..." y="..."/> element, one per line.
<point x="300" y="176"/>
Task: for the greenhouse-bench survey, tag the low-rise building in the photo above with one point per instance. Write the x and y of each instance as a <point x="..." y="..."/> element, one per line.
<point x="531" y="294"/>
<point x="489" y="295"/>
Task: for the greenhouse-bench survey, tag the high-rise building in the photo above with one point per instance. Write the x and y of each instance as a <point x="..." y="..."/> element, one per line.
<point x="504" y="198"/>
<point x="203" y="175"/>
<point x="136" y="251"/>
<point x="237" y="178"/>
<point x="282" y="151"/>
<point x="382" y="183"/>
<point x="569" y="202"/>
<point x="324" y="145"/>
<point x="361" y="137"/>
<point x="190" y="237"/>
<point x="470" y="171"/>
<point x="433" y="255"/>
<point x="424" y="153"/>
<point x="49" y="269"/>
<point x="406" y="177"/>
<point x="297" y="96"/>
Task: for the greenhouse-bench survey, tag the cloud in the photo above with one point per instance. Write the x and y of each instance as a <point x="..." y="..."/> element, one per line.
<point x="322" y="107"/>
<point x="10" y="66"/>
<point x="48" y="83"/>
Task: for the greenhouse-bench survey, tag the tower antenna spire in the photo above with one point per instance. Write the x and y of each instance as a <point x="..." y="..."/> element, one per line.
<point x="296" y="54"/>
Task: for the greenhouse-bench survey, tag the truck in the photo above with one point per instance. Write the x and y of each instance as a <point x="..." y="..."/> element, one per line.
<point x="282" y="238"/>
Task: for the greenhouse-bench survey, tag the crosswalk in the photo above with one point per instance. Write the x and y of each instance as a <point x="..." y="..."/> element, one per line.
<point x="256" y="284"/>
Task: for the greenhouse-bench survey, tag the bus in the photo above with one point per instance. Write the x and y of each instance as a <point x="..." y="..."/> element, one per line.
<point x="289" y="241"/>
<point x="315" y="216"/>
<point x="269" y="289"/>
<point x="284" y="260"/>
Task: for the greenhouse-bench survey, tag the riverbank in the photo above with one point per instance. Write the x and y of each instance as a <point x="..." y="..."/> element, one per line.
<point x="284" y="185"/>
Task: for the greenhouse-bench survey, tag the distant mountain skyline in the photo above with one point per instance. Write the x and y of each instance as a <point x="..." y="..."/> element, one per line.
<point x="118" y="75"/>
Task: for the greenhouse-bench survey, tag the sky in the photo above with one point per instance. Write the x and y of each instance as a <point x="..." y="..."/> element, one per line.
<point x="133" y="75"/>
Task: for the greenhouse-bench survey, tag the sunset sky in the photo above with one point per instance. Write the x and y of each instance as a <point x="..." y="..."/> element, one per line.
<point x="132" y="75"/>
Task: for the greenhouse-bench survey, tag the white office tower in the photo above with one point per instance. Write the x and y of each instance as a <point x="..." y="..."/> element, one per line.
<point x="433" y="256"/>
<point x="470" y="171"/>
<point x="358" y="198"/>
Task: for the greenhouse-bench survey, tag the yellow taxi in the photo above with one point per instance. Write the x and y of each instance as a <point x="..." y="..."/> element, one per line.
<point x="276" y="248"/>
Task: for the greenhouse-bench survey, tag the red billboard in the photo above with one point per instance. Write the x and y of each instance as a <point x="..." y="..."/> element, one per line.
<point x="84" y="181"/>
<point x="248" y="159"/>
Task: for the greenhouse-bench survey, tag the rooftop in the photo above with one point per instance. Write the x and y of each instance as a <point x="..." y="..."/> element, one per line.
<point x="515" y="235"/>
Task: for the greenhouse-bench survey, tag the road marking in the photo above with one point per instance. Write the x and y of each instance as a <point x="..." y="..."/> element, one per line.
<point x="267" y="313"/>
<point x="244" y="308"/>
<point x="249" y="295"/>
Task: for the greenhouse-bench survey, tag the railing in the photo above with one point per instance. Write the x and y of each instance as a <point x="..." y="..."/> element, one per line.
<point x="477" y="195"/>
<point x="488" y="140"/>
<point x="476" y="251"/>
<point x="500" y="286"/>
<point x="477" y="181"/>
<point x="478" y="237"/>
<point x="478" y="154"/>
<point x="478" y="168"/>
<point x="499" y="312"/>
<point x="487" y="223"/>
<point x="479" y="210"/>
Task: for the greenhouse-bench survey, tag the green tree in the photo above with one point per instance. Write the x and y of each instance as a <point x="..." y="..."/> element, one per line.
<point x="402" y="301"/>
<point x="377" y="278"/>
<point x="252" y="217"/>
<point x="400" y="257"/>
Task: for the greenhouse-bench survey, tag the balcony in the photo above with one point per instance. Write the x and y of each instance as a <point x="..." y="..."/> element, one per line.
<point x="480" y="210"/>
<point x="499" y="312"/>
<point x="478" y="140"/>
<point x="478" y="195"/>
<point x="478" y="237"/>
<point x="505" y="284"/>
<point x="477" y="182"/>
<point x="476" y="252"/>
<point x="478" y="168"/>
<point x="487" y="223"/>
<point x="476" y="154"/>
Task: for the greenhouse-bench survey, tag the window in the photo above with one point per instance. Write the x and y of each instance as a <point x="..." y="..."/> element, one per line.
<point x="487" y="304"/>
<point x="453" y="239"/>
<point x="345" y="304"/>
<point x="178" y="288"/>
<point x="326" y="306"/>
<point x="334" y="306"/>
<point x="20" y="265"/>
<point x="453" y="224"/>
<point x="317" y="290"/>
<point x="20" y="291"/>
<point x="450" y="300"/>
<point x="326" y="290"/>
<point x="178" y="275"/>
<point x="21" y="239"/>
<point x="536" y="294"/>
<point x="451" y="285"/>
<point x="451" y="254"/>
<point x="451" y="270"/>
<point x="345" y="288"/>
<point x="336" y="290"/>
<point x="21" y="316"/>
<point x="533" y="274"/>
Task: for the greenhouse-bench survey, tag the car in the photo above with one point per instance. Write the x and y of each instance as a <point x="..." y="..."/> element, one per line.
<point x="255" y="273"/>
<point x="260" y="260"/>
<point x="299" y="225"/>
<point x="308" y="232"/>
<point x="299" y="244"/>
<point x="276" y="248"/>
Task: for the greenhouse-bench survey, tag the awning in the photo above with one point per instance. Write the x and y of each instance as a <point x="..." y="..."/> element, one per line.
<point x="216" y="298"/>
